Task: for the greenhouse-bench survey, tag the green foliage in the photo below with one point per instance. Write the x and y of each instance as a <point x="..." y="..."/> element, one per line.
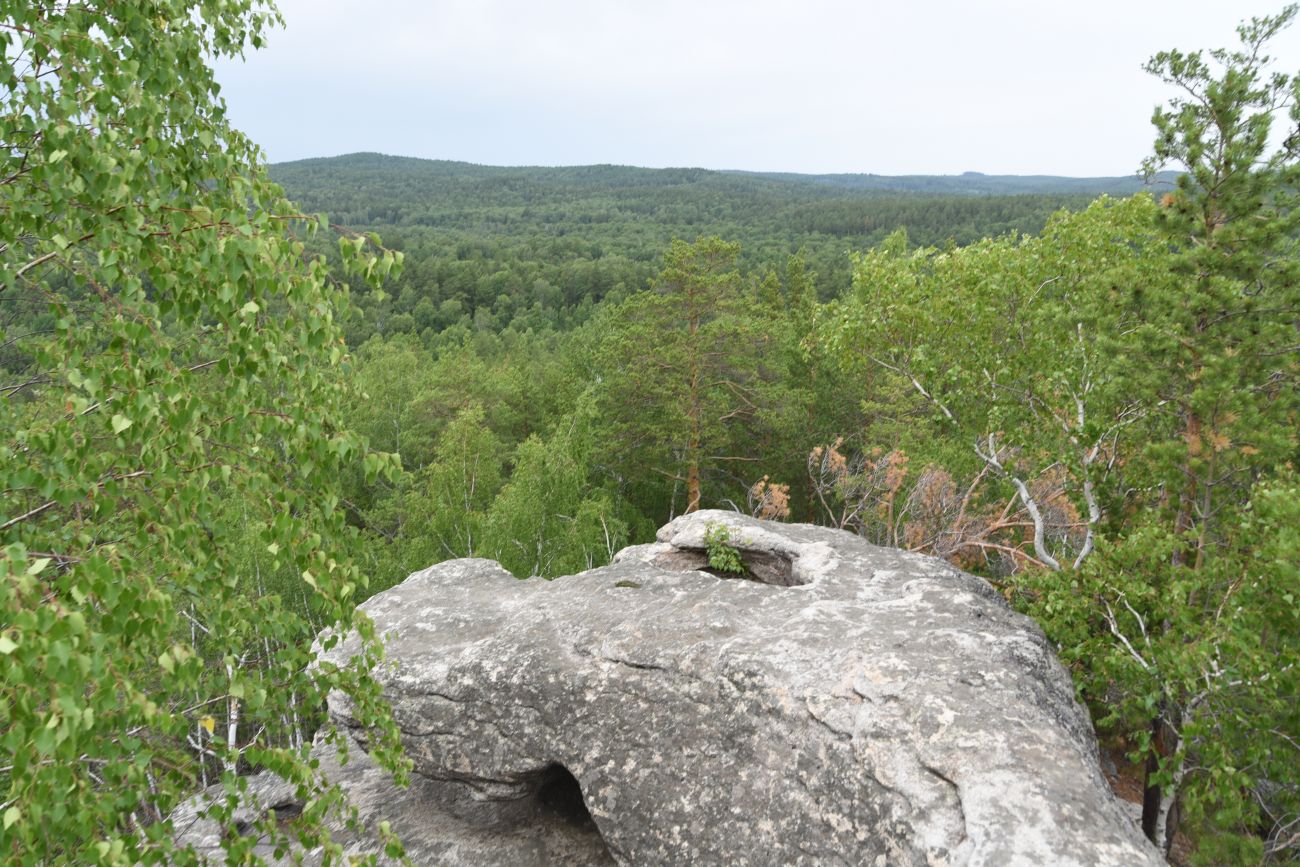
<point x="438" y="511"/>
<point x="801" y="397"/>
<point x="678" y="364"/>
<point x="540" y="248"/>
<point x="1232" y="212"/>
<point x="171" y="443"/>
<point x="1217" y="643"/>
<point x="1185" y="627"/>
<point x="1223" y="344"/>
<point x="723" y="556"/>
<point x="500" y="452"/>
<point x="1018" y="347"/>
<point x="552" y="518"/>
<point x="1131" y="375"/>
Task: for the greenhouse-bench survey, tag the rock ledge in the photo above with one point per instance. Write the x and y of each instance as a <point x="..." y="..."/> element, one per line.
<point x="838" y="704"/>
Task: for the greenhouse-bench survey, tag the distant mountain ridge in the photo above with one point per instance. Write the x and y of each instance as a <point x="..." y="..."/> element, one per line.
<point x="979" y="184"/>
<point x="618" y="176"/>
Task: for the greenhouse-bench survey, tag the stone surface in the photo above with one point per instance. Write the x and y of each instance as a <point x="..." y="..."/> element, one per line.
<point x="440" y="823"/>
<point x="840" y="704"/>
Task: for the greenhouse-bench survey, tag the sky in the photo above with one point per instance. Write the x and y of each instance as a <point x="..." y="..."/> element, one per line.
<point x="921" y="87"/>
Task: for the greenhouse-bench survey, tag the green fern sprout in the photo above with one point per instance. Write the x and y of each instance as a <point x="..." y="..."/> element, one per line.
<point x="723" y="556"/>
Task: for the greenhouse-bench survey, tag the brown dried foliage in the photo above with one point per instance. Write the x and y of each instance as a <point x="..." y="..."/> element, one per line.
<point x="874" y="495"/>
<point x="769" y="500"/>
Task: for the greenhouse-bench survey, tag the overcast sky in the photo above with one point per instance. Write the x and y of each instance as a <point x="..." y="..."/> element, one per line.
<point x="926" y="87"/>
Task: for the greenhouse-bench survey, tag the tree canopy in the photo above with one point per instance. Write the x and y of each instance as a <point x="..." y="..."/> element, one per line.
<point x="170" y="440"/>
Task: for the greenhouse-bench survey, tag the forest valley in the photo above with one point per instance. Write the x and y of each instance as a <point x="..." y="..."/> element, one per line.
<point x="1089" y="401"/>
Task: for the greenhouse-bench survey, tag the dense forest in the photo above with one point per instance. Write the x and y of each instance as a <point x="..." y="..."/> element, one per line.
<point x="236" y="401"/>
<point x="490" y="247"/>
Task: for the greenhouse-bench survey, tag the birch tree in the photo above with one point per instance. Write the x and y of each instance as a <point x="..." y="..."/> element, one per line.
<point x="191" y="360"/>
<point x="1017" y="346"/>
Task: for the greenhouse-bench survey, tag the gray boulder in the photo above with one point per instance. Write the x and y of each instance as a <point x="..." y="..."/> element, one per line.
<point x="838" y="703"/>
<point x="438" y="822"/>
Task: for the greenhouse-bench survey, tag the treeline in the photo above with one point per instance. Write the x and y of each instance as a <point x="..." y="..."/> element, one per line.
<point x="980" y="184"/>
<point x="491" y="247"/>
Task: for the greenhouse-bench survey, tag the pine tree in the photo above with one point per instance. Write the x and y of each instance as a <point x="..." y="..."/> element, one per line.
<point x="679" y="362"/>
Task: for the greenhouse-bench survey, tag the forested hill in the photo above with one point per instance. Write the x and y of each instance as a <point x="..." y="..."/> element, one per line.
<point x="374" y="189"/>
<point x="976" y="183"/>
<point x="360" y="173"/>
<point x="536" y="247"/>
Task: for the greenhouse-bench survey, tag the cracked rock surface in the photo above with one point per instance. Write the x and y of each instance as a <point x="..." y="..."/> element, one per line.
<point x="840" y="703"/>
<point x="438" y="822"/>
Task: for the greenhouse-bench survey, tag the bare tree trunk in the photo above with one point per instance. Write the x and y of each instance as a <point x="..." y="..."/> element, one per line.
<point x="1183" y="519"/>
<point x="1167" y="824"/>
<point x="297" y="724"/>
<point x="1094" y="515"/>
<point x="693" y="481"/>
<point x="694" y="412"/>
<point x="1031" y="505"/>
<point x="232" y="726"/>
<point x="1040" y="536"/>
<point x="1160" y="803"/>
<point x="198" y="724"/>
<point x="1086" y="458"/>
<point x="1151" y="790"/>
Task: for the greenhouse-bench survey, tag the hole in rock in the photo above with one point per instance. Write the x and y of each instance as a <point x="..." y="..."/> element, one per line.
<point x="763" y="567"/>
<point x="560" y="796"/>
<point x="286" y="812"/>
<point x="558" y="803"/>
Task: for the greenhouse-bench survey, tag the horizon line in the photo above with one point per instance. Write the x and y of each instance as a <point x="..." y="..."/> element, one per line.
<point x="967" y="173"/>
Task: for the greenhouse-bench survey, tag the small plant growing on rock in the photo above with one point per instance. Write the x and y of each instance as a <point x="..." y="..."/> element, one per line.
<point x="723" y="556"/>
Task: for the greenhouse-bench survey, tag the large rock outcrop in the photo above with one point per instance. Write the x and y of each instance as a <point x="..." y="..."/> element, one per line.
<point x="838" y="704"/>
<point x="439" y="822"/>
